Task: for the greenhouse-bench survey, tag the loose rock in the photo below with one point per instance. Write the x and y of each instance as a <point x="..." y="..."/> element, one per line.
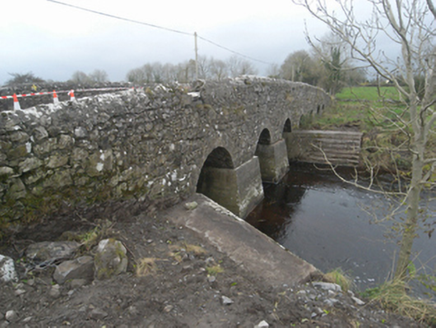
<point x="7" y="269"/>
<point x="46" y="250"/>
<point x="262" y="324"/>
<point x="55" y="291"/>
<point x="77" y="283"/>
<point x="328" y="286"/>
<point x="191" y="206"/>
<point x="80" y="268"/>
<point x="111" y="259"/>
<point x="226" y="301"/>
<point x="11" y="316"/>
<point x="357" y="300"/>
<point x="97" y="314"/>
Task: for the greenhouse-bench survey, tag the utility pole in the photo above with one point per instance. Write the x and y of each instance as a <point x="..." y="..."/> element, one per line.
<point x="196" y="57"/>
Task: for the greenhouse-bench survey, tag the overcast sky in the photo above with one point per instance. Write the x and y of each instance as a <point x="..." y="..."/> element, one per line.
<point x="53" y="41"/>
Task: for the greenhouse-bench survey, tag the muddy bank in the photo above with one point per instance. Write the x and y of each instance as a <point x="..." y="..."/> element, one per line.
<point x="199" y="286"/>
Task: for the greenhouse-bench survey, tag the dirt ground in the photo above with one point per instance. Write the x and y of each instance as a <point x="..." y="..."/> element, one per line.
<point x="184" y="287"/>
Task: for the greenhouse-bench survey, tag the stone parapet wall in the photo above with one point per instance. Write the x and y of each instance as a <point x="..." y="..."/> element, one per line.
<point x="147" y="145"/>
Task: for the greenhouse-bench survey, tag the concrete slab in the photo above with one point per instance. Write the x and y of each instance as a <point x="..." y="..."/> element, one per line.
<point x="245" y="245"/>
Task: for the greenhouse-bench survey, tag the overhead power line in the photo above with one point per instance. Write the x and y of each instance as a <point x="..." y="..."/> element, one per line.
<point x="159" y="27"/>
<point x="232" y="51"/>
<point x="120" y="18"/>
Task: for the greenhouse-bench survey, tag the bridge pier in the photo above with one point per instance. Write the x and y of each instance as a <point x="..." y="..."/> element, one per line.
<point x="290" y="144"/>
<point x="273" y="160"/>
<point x="239" y="189"/>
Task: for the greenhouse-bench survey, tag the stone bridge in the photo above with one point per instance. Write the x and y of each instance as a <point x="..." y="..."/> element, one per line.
<point x="221" y="139"/>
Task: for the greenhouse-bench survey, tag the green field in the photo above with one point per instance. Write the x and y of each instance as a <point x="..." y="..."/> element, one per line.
<point x="368" y="93"/>
<point x="363" y="109"/>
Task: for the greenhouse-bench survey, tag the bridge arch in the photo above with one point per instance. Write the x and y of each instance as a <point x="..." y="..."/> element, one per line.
<point x="237" y="189"/>
<point x="287" y="128"/>
<point x="265" y="137"/>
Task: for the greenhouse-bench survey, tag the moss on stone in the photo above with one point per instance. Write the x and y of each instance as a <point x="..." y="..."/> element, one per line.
<point x="17" y="152"/>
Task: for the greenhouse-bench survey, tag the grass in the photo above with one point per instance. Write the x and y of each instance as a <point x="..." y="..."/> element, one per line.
<point x="177" y="250"/>
<point x="341" y="114"/>
<point x="337" y="276"/>
<point x="146" y="266"/>
<point x="384" y="145"/>
<point x="368" y="93"/>
<point x="214" y="270"/>
<point x="196" y="250"/>
<point x="393" y="297"/>
<point x="91" y="238"/>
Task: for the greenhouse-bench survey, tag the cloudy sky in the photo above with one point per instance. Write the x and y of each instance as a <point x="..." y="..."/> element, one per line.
<point x="53" y="41"/>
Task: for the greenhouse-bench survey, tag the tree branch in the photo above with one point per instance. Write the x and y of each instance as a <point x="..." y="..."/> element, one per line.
<point x="431" y="8"/>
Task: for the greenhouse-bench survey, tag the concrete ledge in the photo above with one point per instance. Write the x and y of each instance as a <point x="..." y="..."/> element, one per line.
<point x="340" y="147"/>
<point x="245" y="245"/>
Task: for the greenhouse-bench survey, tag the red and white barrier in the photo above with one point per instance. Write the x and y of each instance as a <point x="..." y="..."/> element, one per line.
<point x="71" y="94"/>
<point x="55" y="94"/>
<point x="16" y="103"/>
<point x="55" y="98"/>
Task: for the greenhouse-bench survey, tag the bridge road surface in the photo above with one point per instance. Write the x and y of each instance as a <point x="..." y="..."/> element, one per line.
<point x="245" y="245"/>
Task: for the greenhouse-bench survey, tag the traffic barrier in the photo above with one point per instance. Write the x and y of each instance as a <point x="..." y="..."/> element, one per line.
<point x="71" y="94"/>
<point x="55" y="98"/>
<point x="55" y="94"/>
<point x="63" y="91"/>
<point x="16" y="103"/>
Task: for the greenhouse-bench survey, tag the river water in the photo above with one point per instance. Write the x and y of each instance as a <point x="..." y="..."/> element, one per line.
<point x="331" y="225"/>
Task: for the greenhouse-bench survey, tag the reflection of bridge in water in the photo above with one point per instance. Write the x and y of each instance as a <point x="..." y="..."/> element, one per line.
<point x="274" y="213"/>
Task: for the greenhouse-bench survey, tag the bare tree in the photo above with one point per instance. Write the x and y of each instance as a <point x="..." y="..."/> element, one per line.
<point x="99" y="76"/>
<point x="80" y="77"/>
<point x="23" y="78"/>
<point x="273" y="71"/>
<point x="410" y="26"/>
<point x="238" y="66"/>
<point x="186" y="71"/>
<point x="204" y="67"/>
<point x="136" y="75"/>
<point x="169" y="72"/>
<point x="219" y="70"/>
<point x="300" y="67"/>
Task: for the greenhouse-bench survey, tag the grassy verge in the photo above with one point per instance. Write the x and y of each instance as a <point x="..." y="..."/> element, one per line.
<point x="393" y="297"/>
<point x="369" y="93"/>
<point x="385" y="144"/>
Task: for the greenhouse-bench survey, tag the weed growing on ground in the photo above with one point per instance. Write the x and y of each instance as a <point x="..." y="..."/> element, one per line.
<point x="214" y="270"/>
<point x="196" y="250"/>
<point x="91" y="238"/>
<point x="177" y="250"/>
<point x="337" y="276"/>
<point x="146" y="266"/>
<point x="393" y="297"/>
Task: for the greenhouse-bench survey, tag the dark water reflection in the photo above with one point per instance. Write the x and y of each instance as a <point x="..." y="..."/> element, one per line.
<point x="328" y="223"/>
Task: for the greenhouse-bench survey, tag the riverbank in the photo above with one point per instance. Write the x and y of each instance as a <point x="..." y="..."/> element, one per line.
<point x="191" y="283"/>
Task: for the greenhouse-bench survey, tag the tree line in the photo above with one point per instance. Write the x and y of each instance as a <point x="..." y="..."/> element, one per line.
<point x="330" y="72"/>
<point x="207" y="68"/>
